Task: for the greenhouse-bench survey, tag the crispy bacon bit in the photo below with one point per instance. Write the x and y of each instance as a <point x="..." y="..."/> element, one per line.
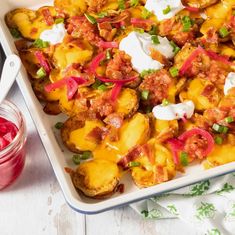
<point x="48" y="17"/>
<point x="119" y="67"/>
<point x="95" y="6"/>
<point x="120" y="188"/>
<point x="102" y="106"/>
<point x="157" y="84"/>
<point x="33" y="30"/>
<point x="106" y="31"/>
<point x="80" y="27"/>
<point x="195" y="146"/>
<point x="115" y="120"/>
<point x="95" y="135"/>
<point x="160" y="174"/>
<point x="130" y="156"/>
<point x="148" y="151"/>
<point x="208" y="90"/>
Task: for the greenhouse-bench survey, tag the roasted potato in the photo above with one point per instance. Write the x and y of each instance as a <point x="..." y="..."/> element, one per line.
<point x="52" y="108"/>
<point x="73" y="123"/>
<point x="201" y="3"/>
<point x="221" y="154"/>
<point x="127" y="102"/>
<point x="96" y="178"/>
<point x="75" y="132"/>
<point x="69" y="53"/>
<point x="164" y="129"/>
<point x="154" y="169"/>
<point x="71" y="7"/>
<point x="203" y="94"/>
<point x="29" y="23"/>
<point x="133" y="132"/>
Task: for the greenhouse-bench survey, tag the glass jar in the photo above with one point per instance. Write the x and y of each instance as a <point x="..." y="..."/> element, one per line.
<point x="12" y="157"/>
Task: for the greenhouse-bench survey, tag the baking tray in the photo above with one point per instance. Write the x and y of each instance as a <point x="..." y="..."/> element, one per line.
<point x="60" y="158"/>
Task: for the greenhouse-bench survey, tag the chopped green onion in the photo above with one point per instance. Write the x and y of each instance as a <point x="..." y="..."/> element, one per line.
<point x="102" y="87"/>
<point x="145" y="13"/>
<point x="41" y="73"/>
<point x="219" y="128"/>
<point x="15" y="33"/>
<point x="223" y="32"/>
<point x="133" y="164"/>
<point x="86" y="155"/>
<point x="96" y="84"/>
<point x="165" y="102"/>
<point x="108" y="55"/>
<point x="102" y="14"/>
<point x="184" y="158"/>
<point x="187" y="23"/>
<point x="146" y="72"/>
<point x="229" y="119"/>
<point x="176" y="49"/>
<point x="121" y="4"/>
<point x="90" y="18"/>
<point x="153" y="30"/>
<point x="155" y="40"/>
<point x="145" y="95"/>
<point x="139" y="30"/>
<point x="81" y="156"/>
<point x="134" y="3"/>
<point x="76" y="159"/>
<point x="59" y="20"/>
<point x="167" y="10"/>
<point x="218" y="140"/>
<point x="39" y="43"/>
<point x="59" y="125"/>
<point x="174" y="72"/>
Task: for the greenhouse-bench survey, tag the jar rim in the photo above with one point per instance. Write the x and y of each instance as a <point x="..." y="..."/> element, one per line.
<point x="21" y="128"/>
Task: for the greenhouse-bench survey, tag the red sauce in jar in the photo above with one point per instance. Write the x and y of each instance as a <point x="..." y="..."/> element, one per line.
<point x="11" y="160"/>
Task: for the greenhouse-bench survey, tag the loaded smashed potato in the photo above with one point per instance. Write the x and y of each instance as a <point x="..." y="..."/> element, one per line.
<point x="148" y="86"/>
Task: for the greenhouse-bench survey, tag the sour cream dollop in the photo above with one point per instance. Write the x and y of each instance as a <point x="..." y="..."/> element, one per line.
<point x="157" y="7"/>
<point x="229" y="82"/>
<point x="54" y="35"/>
<point x="174" y="111"/>
<point x="139" y="45"/>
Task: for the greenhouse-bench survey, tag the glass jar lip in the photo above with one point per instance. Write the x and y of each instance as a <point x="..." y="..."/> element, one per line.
<point x="21" y="128"/>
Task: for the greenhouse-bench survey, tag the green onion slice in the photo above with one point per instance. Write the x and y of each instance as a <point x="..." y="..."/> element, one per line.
<point x="59" y="125"/>
<point x="145" y="95"/>
<point x="41" y="73"/>
<point x="229" y="119"/>
<point x="223" y="32"/>
<point x="220" y="129"/>
<point x="90" y="18"/>
<point x="39" y="43"/>
<point x="167" y="10"/>
<point x="145" y="13"/>
<point x="59" y="20"/>
<point x="174" y="71"/>
<point x="184" y="158"/>
<point x="218" y="140"/>
<point x="155" y="40"/>
<point x="133" y="164"/>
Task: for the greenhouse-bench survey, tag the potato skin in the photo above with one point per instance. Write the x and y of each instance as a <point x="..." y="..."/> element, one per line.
<point x="30" y="23"/>
<point x="71" y="124"/>
<point x="200" y="4"/>
<point x="127" y="102"/>
<point x="96" y="178"/>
